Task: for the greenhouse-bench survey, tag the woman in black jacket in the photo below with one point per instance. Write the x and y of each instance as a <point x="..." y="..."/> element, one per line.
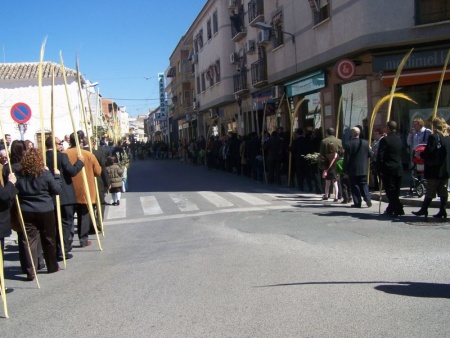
<point x="436" y="169"/>
<point x="7" y="193"/>
<point x="36" y="186"/>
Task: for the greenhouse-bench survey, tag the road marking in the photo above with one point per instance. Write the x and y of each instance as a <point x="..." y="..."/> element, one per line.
<point x="198" y="214"/>
<point x="150" y="205"/>
<point x="183" y="203"/>
<point x="117" y="211"/>
<point x="249" y="198"/>
<point x="215" y="199"/>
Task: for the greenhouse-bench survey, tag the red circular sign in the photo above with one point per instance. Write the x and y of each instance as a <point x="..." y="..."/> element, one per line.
<point x="345" y="69"/>
<point x="21" y="112"/>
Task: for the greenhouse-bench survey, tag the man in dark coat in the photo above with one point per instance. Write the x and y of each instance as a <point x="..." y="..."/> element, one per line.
<point x="299" y="151"/>
<point x="357" y="153"/>
<point x="274" y="156"/>
<point x="67" y="195"/>
<point x="389" y="165"/>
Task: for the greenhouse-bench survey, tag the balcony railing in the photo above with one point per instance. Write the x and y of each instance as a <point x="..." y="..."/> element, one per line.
<point x="240" y="81"/>
<point x="255" y="11"/>
<point x="432" y="11"/>
<point x="238" y="30"/>
<point x="259" y="73"/>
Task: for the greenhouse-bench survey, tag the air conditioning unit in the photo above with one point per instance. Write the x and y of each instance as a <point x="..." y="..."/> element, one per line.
<point x="277" y="92"/>
<point x="196" y="104"/>
<point x="211" y="113"/>
<point x="264" y="36"/>
<point x="250" y="46"/>
<point x="231" y="4"/>
<point x="195" y="58"/>
<point x="234" y="58"/>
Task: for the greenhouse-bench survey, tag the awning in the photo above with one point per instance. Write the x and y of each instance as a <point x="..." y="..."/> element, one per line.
<point x="411" y="77"/>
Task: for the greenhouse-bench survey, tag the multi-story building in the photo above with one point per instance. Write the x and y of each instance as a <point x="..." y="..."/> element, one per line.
<point x="180" y="92"/>
<point x="255" y="61"/>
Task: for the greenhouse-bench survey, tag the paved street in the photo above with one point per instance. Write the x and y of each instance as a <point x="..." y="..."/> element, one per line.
<point x="197" y="253"/>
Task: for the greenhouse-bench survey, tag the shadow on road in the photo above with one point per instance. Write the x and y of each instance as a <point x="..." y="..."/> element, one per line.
<point x="410" y="289"/>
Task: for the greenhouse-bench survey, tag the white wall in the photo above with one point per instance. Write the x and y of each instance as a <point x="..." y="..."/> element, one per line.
<point x="26" y="91"/>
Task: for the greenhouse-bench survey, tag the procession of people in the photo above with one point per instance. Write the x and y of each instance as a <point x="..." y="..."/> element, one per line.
<point x="36" y="189"/>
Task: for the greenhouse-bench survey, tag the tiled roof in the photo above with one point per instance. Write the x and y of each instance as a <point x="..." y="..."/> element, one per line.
<point x="30" y="70"/>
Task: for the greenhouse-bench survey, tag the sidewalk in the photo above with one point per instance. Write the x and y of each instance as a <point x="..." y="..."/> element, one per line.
<point x="406" y="198"/>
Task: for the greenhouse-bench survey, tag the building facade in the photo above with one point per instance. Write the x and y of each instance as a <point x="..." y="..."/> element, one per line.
<point x="256" y="60"/>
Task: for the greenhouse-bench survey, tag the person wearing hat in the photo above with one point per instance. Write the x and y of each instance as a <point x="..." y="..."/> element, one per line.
<point x="357" y="153"/>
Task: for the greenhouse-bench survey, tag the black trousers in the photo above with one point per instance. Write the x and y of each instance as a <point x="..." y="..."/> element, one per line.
<point x="40" y="225"/>
<point x="392" y="186"/>
<point x="83" y="221"/>
<point x="67" y="222"/>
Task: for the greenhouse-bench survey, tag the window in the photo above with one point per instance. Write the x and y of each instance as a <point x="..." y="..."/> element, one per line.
<point x="203" y="82"/>
<point x="320" y="9"/>
<point x="208" y="29"/>
<point x="198" y="84"/>
<point x="430" y="11"/>
<point x="210" y="76"/>
<point x="215" y="23"/>
<point x="200" y="39"/>
<point x="187" y="97"/>
<point x="217" y="71"/>
<point x="278" y="36"/>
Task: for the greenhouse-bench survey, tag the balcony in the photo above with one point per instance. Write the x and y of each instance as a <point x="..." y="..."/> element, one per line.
<point x="238" y="30"/>
<point x="432" y="11"/>
<point x="259" y="73"/>
<point x="240" y="82"/>
<point x="255" y="11"/>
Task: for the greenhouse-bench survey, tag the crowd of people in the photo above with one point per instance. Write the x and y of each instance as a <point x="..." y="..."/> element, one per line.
<point x="325" y="165"/>
<point x="32" y="180"/>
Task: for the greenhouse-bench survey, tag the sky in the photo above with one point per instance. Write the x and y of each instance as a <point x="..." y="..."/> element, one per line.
<point x="122" y="45"/>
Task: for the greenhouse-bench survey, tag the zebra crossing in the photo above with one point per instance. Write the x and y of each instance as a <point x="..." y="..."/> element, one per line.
<point x="134" y="205"/>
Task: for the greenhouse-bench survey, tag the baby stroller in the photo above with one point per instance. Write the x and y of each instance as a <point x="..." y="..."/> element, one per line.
<point x="418" y="181"/>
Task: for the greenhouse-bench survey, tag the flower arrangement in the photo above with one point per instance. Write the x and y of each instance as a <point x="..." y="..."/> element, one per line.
<point x="312" y="158"/>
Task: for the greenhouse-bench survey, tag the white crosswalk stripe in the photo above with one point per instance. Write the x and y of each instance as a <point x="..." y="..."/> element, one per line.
<point x="190" y="202"/>
<point x="117" y="211"/>
<point x="215" y="199"/>
<point x="150" y="205"/>
<point x="250" y="198"/>
<point x="183" y="202"/>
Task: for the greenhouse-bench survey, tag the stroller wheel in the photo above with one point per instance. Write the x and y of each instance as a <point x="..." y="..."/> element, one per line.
<point x="420" y="190"/>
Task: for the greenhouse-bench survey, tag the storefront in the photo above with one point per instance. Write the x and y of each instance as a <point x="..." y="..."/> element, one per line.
<point x="262" y="100"/>
<point x="420" y="81"/>
<point x="310" y="113"/>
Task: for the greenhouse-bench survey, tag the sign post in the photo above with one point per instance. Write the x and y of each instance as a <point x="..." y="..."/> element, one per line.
<point x="21" y="114"/>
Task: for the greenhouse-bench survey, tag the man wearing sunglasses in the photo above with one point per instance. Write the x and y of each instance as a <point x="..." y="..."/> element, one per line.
<point x="67" y="196"/>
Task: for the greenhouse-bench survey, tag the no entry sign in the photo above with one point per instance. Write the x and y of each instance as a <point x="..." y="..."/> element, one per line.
<point x="21" y="112"/>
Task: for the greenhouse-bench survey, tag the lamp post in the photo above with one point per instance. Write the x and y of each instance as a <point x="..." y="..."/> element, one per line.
<point x="267" y="27"/>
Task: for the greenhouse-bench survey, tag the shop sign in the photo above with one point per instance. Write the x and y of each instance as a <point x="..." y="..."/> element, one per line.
<point x="162" y="114"/>
<point x="345" y="69"/>
<point x="417" y="60"/>
<point x="259" y="99"/>
<point x="306" y="84"/>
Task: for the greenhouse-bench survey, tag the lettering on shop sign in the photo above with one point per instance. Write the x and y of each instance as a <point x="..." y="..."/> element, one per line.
<point x="425" y="59"/>
<point x="162" y="98"/>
